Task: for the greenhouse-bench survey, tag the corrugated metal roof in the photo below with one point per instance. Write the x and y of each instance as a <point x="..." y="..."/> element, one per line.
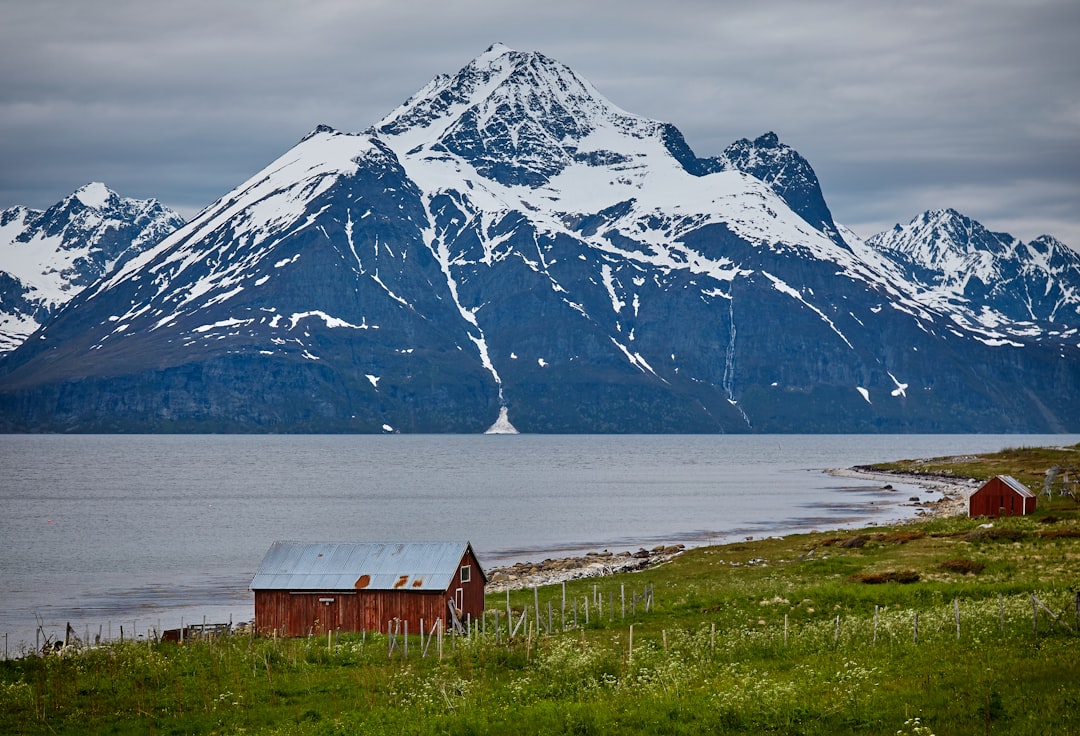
<point x="421" y="566"/>
<point x="1017" y="486"/>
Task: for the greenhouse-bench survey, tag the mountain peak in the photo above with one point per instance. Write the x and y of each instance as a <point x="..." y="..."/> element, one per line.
<point x="767" y="140"/>
<point x="943" y="246"/>
<point x="94" y="195"/>
<point x="321" y="128"/>
<point x="786" y="172"/>
<point x="518" y="118"/>
<point x="48" y="256"/>
<point x="497" y="49"/>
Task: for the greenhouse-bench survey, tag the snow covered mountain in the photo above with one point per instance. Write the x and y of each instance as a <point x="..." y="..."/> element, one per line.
<point x="786" y="172"/>
<point x="508" y="249"/>
<point x="989" y="283"/>
<point x="47" y="257"/>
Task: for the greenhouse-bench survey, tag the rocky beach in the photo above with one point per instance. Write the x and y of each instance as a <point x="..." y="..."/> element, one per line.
<point x="591" y="565"/>
<point x="949" y="495"/>
<point x="945" y="496"/>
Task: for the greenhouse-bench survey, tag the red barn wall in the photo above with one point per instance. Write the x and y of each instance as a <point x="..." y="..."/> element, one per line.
<point x="299" y="613"/>
<point x="996" y="498"/>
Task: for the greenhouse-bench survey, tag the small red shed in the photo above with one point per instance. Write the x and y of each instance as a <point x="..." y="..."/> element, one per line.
<point x="1002" y="495"/>
<point x="304" y="588"/>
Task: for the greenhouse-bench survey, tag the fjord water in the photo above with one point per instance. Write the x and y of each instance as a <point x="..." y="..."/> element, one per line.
<point x="141" y="531"/>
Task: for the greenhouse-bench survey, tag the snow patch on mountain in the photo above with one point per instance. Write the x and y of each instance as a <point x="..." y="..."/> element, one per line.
<point x="272" y="201"/>
<point x="94" y="195"/>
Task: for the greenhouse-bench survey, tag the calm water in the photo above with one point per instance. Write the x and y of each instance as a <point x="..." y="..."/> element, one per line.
<point x="104" y="531"/>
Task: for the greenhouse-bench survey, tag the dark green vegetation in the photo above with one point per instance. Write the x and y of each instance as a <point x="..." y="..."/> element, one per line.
<point x="1029" y="465"/>
<point x="854" y="632"/>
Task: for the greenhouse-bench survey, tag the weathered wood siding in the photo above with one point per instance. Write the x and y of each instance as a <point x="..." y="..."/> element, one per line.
<point x="298" y="613"/>
<point x="472" y="591"/>
<point x="997" y="498"/>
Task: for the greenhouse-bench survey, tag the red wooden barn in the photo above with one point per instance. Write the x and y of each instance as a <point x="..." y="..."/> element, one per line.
<point x="1001" y="496"/>
<point x="304" y="588"/>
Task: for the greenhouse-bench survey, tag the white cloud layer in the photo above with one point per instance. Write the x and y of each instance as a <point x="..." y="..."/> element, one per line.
<point x="900" y="107"/>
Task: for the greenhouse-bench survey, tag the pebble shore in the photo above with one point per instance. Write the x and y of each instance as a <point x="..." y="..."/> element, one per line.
<point x="592" y="565"/>
<point x="952" y="501"/>
<point x="954" y="491"/>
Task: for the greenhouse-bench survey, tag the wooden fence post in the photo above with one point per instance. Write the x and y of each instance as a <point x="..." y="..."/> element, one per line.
<point x="916" y="639"/>
<point x="1053" y="616"/>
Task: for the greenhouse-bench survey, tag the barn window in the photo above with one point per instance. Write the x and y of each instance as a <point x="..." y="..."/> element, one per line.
<point x="466" y="573"/>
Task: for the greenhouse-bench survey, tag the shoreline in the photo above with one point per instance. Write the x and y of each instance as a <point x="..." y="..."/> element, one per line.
<point x="947" y="498"/>
<point x="952" y="502"/>
<point x="954" y="491"/>
<point x="562" y="569"/>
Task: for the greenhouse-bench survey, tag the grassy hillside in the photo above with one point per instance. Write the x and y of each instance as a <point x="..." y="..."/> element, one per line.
<point x="1029" y="465"/>
<point x="948" y="626"/>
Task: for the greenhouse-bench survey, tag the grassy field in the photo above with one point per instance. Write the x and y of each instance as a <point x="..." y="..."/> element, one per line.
<point x="942" y="627"/>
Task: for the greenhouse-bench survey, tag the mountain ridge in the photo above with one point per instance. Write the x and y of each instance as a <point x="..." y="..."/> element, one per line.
<point x="48" y="256"/>
<point x="509" y="250"/>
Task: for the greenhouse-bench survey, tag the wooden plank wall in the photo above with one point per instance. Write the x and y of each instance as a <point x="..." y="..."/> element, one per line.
<point x="996" y="498"/>
<point x="299" y="613"/>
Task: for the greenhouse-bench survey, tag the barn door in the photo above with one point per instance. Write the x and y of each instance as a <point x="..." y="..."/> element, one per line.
<point x="327" y="614"/>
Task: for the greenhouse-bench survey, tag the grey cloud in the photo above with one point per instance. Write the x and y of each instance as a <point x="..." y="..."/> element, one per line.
<point x="894" y="104"/>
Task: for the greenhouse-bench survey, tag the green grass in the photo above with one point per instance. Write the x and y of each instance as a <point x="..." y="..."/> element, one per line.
<point x="1027" y="464"/>
<point x="770" y="636"/>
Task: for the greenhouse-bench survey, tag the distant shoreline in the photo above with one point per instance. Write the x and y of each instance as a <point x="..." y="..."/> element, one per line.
<point x="955" y="491"/>
<point x="952" y="502"/>
<point x="942" y="497"/>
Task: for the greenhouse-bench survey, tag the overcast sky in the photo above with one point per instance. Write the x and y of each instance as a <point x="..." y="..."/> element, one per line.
<point x="900" y="107"/>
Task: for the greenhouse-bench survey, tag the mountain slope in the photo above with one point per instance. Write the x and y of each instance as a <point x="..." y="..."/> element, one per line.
<point x="991" y="283"/>
<point x="47" y="257"/>
<point x="786" y="172"/>
<point x="510" y="249"/>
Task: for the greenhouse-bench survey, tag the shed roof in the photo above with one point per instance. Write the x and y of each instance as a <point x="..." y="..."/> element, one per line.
<point x="1016" y="485"/>
<point x="418" y="566"/>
